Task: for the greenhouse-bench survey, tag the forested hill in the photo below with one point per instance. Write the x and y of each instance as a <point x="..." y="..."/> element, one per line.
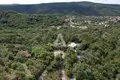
<point x="82" y="8"/>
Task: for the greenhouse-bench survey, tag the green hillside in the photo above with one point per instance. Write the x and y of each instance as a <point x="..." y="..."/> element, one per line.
<point x="82" y="8"/>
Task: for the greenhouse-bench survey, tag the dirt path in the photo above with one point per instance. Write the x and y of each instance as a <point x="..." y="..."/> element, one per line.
<point x="42" y="76"/>
<point x="63" y="76"/>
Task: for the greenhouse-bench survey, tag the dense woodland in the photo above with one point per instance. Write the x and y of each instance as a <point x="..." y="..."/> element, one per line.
<point x="26" y="49"/>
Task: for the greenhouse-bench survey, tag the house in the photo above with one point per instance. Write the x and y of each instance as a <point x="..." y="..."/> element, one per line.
<point x="73" y="45"/>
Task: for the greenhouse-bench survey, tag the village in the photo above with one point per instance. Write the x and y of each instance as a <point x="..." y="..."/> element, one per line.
<point x="84" y="22"/>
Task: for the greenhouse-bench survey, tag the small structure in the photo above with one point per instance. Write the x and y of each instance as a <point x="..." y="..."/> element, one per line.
<point x="83" y="27"/>
<point x="73" y="45"/>
<point x="24" y="53"/>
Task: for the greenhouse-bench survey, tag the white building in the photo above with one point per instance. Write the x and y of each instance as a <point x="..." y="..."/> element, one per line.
<point x="73" y="45"/>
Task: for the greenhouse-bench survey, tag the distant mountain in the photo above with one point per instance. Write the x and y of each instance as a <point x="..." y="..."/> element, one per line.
<point x="82" y="8"/>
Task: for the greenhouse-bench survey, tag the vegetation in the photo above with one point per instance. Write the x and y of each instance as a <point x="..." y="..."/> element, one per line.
<point x="26" y="49"/>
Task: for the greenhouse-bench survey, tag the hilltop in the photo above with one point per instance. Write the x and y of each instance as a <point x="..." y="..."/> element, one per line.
<point x="82" y="8"/>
